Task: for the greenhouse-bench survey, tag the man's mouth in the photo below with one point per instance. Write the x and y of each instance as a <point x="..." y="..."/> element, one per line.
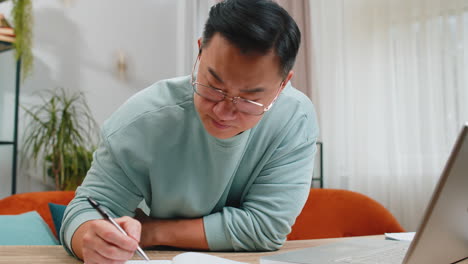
<point x="219" y="125"/>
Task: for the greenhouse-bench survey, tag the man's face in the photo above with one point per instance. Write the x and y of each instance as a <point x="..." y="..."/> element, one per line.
<point x="254" y="77"/>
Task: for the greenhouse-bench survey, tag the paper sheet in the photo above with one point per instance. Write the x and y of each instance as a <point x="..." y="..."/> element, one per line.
<point x="189" y="258"/>
<point x="151" y="262"/>
<point x="405" y="236"/>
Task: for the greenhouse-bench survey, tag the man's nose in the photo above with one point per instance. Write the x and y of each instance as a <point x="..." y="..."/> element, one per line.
<point x="225" y="110"/>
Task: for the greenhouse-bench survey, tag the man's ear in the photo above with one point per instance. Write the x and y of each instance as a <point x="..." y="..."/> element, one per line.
<point x="199" y="46"/>
<point x="287" y="79"/>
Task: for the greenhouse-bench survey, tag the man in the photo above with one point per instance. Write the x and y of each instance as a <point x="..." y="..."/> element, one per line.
<point x="223" y="158"/>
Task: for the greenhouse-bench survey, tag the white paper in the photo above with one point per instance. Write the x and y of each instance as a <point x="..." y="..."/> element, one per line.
<point x="405" y="236"/>
<point x="189" y="258"/>
<point x="151" y="261"/>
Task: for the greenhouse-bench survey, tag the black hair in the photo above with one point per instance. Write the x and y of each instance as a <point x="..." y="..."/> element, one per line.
<point x="256" y="26"/>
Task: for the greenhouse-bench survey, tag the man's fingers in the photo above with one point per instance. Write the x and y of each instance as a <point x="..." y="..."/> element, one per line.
<point x="112" y="252"/>
<point x="96" y="250"/>
<point x="110" y="234"/>
<point x="105" y="243"/>
<point x="131" y="226"/>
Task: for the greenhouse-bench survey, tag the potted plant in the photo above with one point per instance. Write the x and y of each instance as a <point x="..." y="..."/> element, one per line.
<point x="22" y="23"/>
<point x="62" y="133"/>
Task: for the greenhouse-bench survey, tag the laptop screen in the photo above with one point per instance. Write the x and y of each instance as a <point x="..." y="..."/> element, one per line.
<point x="442" y="236"/>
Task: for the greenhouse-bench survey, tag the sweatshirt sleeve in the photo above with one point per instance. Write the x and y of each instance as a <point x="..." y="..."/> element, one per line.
<point x="123" y="197"/>
<point x="274" y="199"/>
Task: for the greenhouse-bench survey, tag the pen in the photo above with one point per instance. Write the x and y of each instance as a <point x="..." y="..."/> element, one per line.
<point x="107" y="217"/>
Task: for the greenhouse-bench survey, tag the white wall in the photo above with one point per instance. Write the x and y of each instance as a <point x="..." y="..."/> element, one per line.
<point x="76" y="45"/>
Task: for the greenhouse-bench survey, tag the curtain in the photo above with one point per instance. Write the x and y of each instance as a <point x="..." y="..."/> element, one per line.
<point x="389" y="80"/>
<point x="193" y="15"/>
<point x="299" y="10"/>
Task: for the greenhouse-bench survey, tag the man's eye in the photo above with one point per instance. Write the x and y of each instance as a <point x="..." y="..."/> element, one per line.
<point x="255" y="100"/>
<point x="214" y="87"/>
<point x="251" y="98"/>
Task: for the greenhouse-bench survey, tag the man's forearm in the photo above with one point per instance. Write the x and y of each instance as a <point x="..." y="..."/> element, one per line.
<point x="184" y="233"/>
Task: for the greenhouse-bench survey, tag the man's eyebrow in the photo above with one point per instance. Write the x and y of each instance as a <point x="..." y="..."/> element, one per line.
<point x="249" y="90"/>
<point x="253" y="90"/>
<point x="215" y="75"/>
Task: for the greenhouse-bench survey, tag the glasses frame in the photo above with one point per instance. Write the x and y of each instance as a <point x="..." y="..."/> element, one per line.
<point x="233" y="99"/>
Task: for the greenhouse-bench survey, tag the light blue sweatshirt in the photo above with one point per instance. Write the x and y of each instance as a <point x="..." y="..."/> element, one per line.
<point x="249" y="189"/>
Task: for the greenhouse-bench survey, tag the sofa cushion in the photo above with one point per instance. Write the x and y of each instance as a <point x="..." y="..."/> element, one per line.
<point x="25" y="229"/>
<point x="57" y="211"/>
<point x="35" y="201"/>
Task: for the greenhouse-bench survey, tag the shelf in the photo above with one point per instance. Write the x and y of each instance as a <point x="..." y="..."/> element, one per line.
<point x="4" y="46"/>
<point x="15" y="81"/>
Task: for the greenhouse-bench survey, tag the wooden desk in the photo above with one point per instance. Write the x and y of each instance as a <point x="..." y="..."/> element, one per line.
<point x="56" y="254"/>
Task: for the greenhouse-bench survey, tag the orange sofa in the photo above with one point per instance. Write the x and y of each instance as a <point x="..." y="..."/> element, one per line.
<point x="327" y="213"/>
<point x="340" y="213"/>
<point x="35" y="201"/>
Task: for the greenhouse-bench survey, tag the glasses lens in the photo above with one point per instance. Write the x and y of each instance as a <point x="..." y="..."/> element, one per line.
<point x="208" y="92"/>
<point x="249" y="107"/>
<point x="215" y="95"/>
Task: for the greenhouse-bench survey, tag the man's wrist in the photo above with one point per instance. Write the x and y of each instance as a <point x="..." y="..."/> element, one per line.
<point x="77" y="239"/>
<point x="183" y="233"/>
<point x="150" y="233"/>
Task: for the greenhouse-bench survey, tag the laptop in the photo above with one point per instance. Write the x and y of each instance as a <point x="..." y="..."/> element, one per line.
<point x="441" y="238"/>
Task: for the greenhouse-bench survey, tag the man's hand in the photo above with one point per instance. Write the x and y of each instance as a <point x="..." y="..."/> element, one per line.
<point x="98" y="241"/>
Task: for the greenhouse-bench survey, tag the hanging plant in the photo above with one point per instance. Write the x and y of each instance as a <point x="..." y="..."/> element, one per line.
<point x="23" y="21"/>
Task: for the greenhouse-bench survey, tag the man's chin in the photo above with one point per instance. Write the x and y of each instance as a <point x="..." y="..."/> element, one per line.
<point x="220" y="135"/>
<point x="218" y="130"/>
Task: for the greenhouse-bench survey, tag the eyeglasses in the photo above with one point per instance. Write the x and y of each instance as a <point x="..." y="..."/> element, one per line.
<point x="216" y="95"/>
